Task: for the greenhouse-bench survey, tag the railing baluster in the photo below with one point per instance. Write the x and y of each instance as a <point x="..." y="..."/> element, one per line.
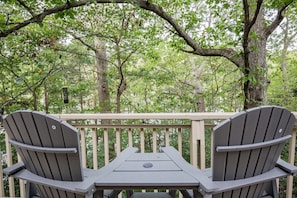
<point x="95" y="145"/>
<point x="180" y="146"/>
<point x="118" y="141"/>
<point x="155" y="140"/>
<point x="211" y="148"/>
<point x="179" y="140"/>
<point x="142" y="145"/>
<point x="167" y="137"/>
<point x="22" y="183"/>
<point x="1" y="177"/>
<point x="9" y="163"/>
<point x="291" y="160"/>
<point x="83" y="147"/>
<point x="106" y="146"/>
<point x="130" y="137"/>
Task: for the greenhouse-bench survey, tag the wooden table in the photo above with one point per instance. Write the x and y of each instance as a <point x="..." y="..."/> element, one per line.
<point x="132" y="170"/>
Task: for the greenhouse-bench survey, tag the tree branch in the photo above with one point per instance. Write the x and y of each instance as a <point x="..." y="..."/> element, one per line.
<point x="279" y="18"/>
<point x="40" y="17"/>
<point x="29" y="87"/>
<point x="246" y="12"/>
<point x="230" y="54"/>
<point x="248" y="24"/>
<point x="253" y="21"/>
<point x="26" y="7"/>
<point x="227" y="53"/>
<point x="129" y="55"/>
<point x="83" y="42"/>
<point x="197" y="49"/>
<point x="161" y="13"/>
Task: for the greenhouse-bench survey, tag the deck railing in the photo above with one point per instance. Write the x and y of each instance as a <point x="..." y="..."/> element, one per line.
<point x="103" y="136"/>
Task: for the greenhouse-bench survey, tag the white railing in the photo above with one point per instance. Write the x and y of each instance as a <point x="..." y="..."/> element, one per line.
<point x="103" y="136"/>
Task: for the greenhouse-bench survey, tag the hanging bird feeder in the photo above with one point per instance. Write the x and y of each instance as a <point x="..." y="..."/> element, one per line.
<point x="65" y="94"/>
<point x="1" y="114"/>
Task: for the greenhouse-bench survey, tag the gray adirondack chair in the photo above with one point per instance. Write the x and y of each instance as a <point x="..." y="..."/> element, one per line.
<point x="50" y="154"/>
<point x="246" y="155"/>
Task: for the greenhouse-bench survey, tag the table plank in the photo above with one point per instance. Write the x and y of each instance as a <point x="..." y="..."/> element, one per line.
<point x="148" y="156"/>
<point x="158" y="180"/>
<point x="147" y="166"/>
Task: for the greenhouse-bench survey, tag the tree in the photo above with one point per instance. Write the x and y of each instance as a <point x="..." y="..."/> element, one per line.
<point x="249" y="28"/>
<point x="114" y="34"/>
<point x="24" y="68"/>
<point x="251" y="58"/>
<point x="285" y="42"/>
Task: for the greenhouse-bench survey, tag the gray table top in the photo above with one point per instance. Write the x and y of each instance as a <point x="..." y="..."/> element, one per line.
<point x="166" y="170"/>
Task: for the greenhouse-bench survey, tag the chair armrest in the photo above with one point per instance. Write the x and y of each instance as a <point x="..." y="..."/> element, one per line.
<point x="289" y="168"/>
<point x="11" y="170"/>
<point x="81" y="187"/>
<point x="240" y="183"/>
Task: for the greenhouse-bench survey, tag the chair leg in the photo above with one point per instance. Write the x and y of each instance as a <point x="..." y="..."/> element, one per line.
<point x="186" y="193"/>
<point x="129" y="193"/>
<point x="172" y="193"/>
<point x="31" y="190"/>
<point x="271" y="189"/>
<point x="196" y="194"/>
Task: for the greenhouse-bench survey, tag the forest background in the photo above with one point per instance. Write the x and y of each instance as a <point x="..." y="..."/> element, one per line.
<point x="135" y="56"/>
<point x="180" y="56"/>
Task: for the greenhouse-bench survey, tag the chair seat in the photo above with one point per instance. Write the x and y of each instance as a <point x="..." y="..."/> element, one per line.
<point x="150" y="195"/>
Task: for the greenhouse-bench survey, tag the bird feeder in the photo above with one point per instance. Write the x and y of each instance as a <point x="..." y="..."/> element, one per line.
<point x="65" y="94"/>
<point x="1" y="114"/>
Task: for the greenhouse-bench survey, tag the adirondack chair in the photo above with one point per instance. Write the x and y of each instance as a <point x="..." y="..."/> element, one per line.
<point x="50" y="154"/>
<point x="246" y="155"/>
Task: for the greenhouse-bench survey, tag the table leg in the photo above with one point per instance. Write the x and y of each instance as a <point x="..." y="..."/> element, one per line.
<point x="99" y="194"/>
<point x="196" y="194"/>
<point x="172" y="193"/>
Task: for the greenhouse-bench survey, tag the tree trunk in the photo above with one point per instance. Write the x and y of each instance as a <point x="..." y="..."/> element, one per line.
<point x="255" y="72"/>
<point x="198" y="92"/>
<point x="35" y="99"/>
<point x="46" y="97"/>
<point x="122" y="85"/>
<point x="81" y="101"/>
<point x="101" y="64"/>
<point x="284" y="60"/>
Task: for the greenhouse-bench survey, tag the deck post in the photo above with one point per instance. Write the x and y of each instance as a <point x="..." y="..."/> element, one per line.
<point x="197" y="144"/>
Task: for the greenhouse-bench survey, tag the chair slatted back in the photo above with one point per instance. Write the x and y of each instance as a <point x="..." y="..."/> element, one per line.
<point x="47" y="146"/>
<point x="250" y="144"/>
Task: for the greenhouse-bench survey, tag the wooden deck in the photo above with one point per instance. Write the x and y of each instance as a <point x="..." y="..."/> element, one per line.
<point x="103" y="136"/>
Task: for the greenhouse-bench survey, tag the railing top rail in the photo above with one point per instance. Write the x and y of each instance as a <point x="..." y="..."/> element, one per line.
<point x="132" y="125"/>
<point x="137" y="116"/>
<point x="165" y="116"/>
